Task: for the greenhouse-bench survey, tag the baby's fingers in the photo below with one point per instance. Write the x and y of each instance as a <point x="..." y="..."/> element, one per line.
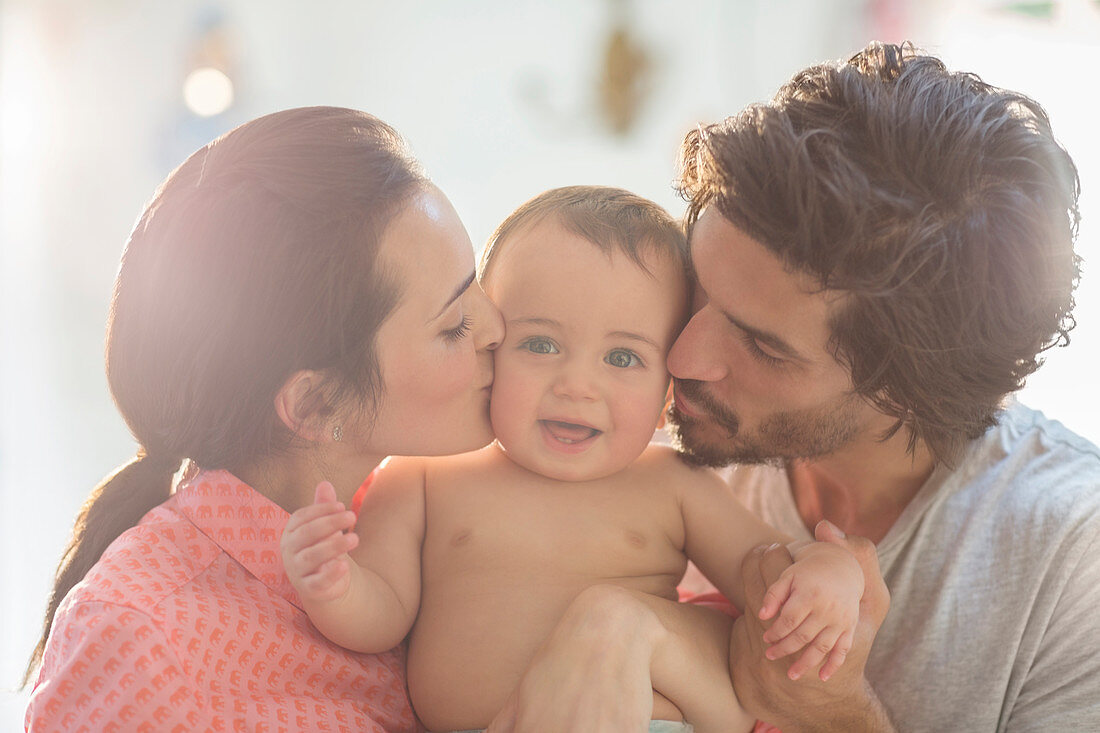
<point x="314" y="556"/>
<point x="328" y="583"/>
<point x="322" y="527"/>
<point x="325" y="493"/>
<point x="309" y="514"/>
<point x="836" y="656"/>
<point x="792" y="614"/>
<point x="805" y="631"/>
<point x="814" y="654"/>
<point x="776" y="595"/>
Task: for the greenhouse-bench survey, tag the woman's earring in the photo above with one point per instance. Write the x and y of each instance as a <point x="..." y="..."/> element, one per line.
<point x="337" y="433"/>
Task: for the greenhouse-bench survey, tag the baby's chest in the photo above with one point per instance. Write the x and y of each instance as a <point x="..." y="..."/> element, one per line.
<point x="576" y="535"/>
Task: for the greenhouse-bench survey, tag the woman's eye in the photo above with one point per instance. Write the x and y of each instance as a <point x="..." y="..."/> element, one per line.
<point x="622" y="358"/>
<point x="456" y="333"/>
<point x="540" y="346"/>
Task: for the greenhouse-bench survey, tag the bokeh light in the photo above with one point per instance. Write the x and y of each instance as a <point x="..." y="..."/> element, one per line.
<point x="207" y="92"/>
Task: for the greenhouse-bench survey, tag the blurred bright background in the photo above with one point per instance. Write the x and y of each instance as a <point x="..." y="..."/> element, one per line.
<point x="501" y="99"/>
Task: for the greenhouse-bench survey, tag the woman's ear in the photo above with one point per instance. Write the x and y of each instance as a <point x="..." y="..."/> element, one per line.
<point x="302" y="406"/>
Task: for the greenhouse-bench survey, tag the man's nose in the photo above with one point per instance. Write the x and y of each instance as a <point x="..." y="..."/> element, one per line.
<point x="697" y="351"/>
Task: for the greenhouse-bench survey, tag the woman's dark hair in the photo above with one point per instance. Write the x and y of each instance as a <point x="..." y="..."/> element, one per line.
<point x="255" y="259"/>
<point x="942" y="207"/>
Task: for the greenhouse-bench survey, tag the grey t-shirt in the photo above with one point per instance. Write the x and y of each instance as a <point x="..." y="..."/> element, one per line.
<point x="994" y="576"/>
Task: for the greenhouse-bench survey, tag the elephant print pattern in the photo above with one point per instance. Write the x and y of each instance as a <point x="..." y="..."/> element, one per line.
<point x="188" y="622"/>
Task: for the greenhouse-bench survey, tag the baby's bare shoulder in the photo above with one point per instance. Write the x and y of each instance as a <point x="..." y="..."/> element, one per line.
<point x="401" y="476"/>
<point x="449" y="468"/>
<point x="663" y="465"/>
<point x="477" y="468"/>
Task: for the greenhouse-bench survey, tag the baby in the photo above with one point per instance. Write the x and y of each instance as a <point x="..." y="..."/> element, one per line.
<point x="480" y="554"/>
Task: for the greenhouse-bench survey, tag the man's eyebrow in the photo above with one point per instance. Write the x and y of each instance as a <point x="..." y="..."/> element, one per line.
<point x="767" y="338"/>
<point x="454" y="296"/>
<point x="634" y="337"/>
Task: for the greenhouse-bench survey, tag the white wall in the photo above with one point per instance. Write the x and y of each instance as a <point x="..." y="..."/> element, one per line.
<point x="496" y="98"/>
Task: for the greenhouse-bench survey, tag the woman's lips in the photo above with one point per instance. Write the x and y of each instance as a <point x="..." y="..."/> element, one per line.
<point x="568" y="437"/>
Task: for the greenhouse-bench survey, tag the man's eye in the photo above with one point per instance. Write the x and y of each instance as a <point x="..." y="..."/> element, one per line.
<point x="539" y="346"/>
<point x="758" y="353"/>
<point x="622" y="358"/>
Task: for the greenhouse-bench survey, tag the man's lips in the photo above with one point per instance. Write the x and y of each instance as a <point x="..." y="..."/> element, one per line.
<point x="685" y="406"/>
<point x="569" y="433"/>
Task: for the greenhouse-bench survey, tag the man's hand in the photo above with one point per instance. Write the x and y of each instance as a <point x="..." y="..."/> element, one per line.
<point x="846" y="702"/>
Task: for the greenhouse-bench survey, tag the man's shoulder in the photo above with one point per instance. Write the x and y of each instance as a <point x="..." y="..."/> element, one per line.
<point x="1035" y="453"/>
<point x="1033" y="472"/>
<point x="1020" y="427"/>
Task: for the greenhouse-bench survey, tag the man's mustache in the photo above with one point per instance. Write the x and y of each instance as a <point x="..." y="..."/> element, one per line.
<point x="695" y="391"/>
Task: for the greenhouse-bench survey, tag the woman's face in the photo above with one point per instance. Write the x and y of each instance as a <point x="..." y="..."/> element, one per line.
<point x="435" y="348"/>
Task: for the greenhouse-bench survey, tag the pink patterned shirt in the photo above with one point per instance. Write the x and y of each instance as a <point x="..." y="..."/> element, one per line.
<point x="189" y="623"/>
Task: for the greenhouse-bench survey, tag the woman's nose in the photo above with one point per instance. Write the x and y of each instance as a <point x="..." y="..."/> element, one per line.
<point x="697" y="352"/>
<point x="488" y="323"/>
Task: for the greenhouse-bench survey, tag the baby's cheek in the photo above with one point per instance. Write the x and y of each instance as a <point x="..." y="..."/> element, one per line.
<point x="641" y="414"/>
<point x="503" y="407"/>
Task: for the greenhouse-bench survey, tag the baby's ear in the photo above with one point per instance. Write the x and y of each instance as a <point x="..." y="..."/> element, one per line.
<point x="303" y="407"/>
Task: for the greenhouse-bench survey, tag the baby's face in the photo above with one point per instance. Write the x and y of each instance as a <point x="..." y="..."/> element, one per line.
<point x="580" y="379"/>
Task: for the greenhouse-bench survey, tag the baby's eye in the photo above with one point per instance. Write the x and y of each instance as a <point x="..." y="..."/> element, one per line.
<point x="539" y="345"/>
<point x="622" y="358"/>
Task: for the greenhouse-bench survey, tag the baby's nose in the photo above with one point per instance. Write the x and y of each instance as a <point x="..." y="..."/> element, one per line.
<point x="576" y="382"/>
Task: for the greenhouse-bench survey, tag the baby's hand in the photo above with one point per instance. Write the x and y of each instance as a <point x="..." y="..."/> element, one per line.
<point x="315" y="547"/>
<point x="819" y="596"/>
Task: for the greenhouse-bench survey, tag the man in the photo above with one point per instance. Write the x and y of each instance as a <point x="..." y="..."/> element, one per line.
<point x="882" y="254"/>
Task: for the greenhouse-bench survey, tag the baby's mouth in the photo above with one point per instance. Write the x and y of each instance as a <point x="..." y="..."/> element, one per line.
<point x="568" y="432"/>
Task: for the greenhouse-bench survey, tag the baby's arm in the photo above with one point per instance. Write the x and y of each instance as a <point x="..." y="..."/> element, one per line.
<point x="816" y="599"/>
<point x="366" y="600"/>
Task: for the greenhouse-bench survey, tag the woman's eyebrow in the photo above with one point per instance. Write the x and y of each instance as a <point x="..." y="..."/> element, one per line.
<point x="454" y="296"/>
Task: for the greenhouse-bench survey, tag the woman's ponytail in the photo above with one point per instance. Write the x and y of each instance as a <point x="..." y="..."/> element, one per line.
<point x="256" y="258"/>
<point x="116" y="504"/>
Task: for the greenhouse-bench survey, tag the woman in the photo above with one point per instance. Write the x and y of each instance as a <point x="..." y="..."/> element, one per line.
<point x="296" y="302"/>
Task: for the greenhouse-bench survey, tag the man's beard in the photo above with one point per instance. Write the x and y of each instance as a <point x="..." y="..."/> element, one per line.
<point x="781" y="436"/>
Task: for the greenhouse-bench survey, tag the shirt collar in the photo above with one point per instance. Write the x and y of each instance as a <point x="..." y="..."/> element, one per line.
<point x="244" y="523"/>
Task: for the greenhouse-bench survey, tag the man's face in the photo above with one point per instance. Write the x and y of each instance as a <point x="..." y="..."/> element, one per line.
<point x="754" y="379"/>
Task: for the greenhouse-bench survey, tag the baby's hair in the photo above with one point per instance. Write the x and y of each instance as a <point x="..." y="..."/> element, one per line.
<point x="612" y="219"/>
